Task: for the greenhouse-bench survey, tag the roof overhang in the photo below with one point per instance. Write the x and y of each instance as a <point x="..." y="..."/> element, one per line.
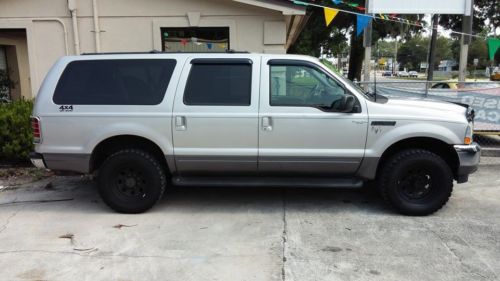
<point x="281" y="6"/>
<point x="295" y="25"/>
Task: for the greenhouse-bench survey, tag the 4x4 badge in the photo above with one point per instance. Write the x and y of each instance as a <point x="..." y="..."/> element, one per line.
<point x="65" y="108"/>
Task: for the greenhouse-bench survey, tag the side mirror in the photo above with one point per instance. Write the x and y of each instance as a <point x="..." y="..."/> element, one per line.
<point x="348" y="104"/>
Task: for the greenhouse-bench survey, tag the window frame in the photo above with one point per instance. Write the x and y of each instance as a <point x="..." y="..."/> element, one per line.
<point x="220" y="61"/>
<point x="289" y="62"/>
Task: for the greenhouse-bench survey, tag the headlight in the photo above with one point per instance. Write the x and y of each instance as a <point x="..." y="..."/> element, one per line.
<point x="469" y="133"/>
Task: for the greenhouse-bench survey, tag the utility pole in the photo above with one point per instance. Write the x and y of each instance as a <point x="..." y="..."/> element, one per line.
<point x="432" y="48"/>
<point x="367" y="43"/>
<point x="395" y="62"/>
<point x="465" y="40"/>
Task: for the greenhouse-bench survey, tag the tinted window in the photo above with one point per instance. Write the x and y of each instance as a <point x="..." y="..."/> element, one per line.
<point x="293" y="85"/>
<point x="125" y="82"/>
<point x="219" y="84"/>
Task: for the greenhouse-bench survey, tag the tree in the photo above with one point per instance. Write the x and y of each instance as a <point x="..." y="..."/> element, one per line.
<point x="316" y="37"/>
<point x="486" y="17"/>
<point x="414" y="51"/>
<point x="478" y="49"/>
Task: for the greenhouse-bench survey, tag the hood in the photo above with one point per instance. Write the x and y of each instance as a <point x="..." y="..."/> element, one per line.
<point x="420" y="109"/>
<point x="441" y="106"/>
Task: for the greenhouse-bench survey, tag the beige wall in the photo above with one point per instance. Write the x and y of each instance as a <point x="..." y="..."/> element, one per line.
<point x="131" y="25"/>
<point x="17" y="59"/>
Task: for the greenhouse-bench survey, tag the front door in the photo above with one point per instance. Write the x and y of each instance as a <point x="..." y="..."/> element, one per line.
<point x="215" y="117"/>
<point x="302" y="129"/>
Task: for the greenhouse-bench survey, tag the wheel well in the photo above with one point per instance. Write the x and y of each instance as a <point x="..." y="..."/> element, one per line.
<point x="441" y="148"/>
<point x="113" y="144"/>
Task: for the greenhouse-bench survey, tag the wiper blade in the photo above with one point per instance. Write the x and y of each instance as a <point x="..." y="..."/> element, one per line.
<point x="368" y="93"/>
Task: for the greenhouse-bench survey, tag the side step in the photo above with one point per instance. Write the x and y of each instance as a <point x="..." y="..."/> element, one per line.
<point x="349" y="183"/>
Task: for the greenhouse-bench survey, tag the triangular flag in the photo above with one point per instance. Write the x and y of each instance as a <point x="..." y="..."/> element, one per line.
<point x="330" y="14"/>
<point x="362" y="22"/>
<point x="493" y="46"/>
<point x="209" y="46"/>
<point x="336" y="2"/>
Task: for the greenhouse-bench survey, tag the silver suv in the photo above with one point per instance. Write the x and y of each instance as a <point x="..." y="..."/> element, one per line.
<point x="146" y="121"/>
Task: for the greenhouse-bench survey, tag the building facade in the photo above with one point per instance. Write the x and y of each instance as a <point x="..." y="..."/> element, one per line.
<point x="34" y="34"/>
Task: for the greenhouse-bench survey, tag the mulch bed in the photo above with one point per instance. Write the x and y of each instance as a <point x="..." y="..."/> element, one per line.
<point x="13" y="175"/>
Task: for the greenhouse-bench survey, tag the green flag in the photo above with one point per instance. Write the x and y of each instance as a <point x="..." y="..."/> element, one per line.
<point x="493" y="46"/>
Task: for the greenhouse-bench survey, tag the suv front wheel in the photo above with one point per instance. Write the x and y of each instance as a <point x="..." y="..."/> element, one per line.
<point x="416" y="182"/>
<point x="131" y="181"/>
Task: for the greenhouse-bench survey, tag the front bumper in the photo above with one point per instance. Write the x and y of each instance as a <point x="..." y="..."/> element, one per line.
<point x="37" y="160"/>
<point x="469" y="157"/>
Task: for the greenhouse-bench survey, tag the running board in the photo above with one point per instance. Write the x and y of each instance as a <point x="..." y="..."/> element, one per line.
<point x="350" y="183"/>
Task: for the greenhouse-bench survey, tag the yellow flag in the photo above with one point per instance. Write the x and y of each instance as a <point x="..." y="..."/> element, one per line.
<point x="330" y="14"/>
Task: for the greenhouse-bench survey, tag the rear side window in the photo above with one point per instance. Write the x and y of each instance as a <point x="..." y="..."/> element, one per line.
<point x="219" y="83"/>
<point x="114" y="82"/>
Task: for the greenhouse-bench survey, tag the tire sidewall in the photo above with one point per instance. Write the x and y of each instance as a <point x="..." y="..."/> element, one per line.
<point x="442" y="182"/>
<point x="140" y="161"/>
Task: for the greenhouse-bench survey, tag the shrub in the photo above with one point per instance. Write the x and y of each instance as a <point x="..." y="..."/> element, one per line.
<point x="15" y="131"/>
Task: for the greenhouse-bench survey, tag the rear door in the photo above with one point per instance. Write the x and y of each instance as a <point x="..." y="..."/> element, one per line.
<point x="215" y="118"/>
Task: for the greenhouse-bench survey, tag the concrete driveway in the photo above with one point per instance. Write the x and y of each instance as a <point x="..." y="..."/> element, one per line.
<point x="247" y="234"/>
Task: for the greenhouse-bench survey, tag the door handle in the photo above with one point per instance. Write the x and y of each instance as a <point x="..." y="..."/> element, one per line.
<point x="180" y="123"/>
<point x="267" y="124"/>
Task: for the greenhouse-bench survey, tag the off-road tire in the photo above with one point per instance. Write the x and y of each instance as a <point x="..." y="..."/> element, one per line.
<point x="415" y="169"/>
<point x="131" y="181"/>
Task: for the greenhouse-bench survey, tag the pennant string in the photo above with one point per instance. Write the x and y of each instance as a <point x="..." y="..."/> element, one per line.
<point x="390" y="17"/>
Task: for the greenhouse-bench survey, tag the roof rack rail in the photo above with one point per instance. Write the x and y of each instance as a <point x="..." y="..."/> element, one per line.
<point x="230" y="51"/>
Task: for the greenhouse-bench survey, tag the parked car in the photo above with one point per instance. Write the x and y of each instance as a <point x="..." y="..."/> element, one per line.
<point x="387" y="73"/>
<point x="143" y="122"/>
<point x="403" y="74"/>
<point x="495" y="76"/>
<point x="413" y="74"/>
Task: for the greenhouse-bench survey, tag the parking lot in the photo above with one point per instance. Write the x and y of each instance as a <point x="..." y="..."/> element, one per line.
<point x="58" y="229"/>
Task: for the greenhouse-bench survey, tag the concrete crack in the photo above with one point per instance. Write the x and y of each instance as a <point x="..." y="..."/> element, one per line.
<point x="458" y="257"/>
<point x="284" y="237"/>
<point x="6" y="224"/>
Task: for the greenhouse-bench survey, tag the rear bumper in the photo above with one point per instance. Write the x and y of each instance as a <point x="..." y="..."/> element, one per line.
<point x="469" y="157"/>
<point x="37" y="160"/>
<point x="61" y="161"/>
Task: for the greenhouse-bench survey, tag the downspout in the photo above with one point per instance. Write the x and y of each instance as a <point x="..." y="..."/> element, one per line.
<point x="97" y="30"/>
<point x="64" y="30"/>
<point x="72" y="8"/>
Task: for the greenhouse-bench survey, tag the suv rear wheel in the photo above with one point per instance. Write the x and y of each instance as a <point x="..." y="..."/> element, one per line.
<point x="416" y="182"/>
<point x="131" y="181"/>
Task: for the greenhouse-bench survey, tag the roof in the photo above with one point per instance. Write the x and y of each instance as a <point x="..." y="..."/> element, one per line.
<point x="285" y="7"/>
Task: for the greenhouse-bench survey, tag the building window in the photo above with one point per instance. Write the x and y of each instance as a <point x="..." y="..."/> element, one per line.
<point x="4" y="76"/>
<point x="195" y="39"/>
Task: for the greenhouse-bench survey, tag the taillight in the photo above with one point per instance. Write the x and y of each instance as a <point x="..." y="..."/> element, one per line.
<point x="36" y="129"/>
